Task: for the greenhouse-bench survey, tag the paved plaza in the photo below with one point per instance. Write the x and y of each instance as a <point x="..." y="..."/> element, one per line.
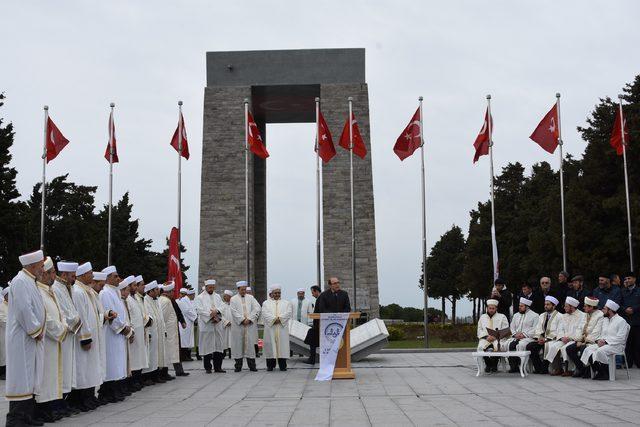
<point x="390" y="390"/>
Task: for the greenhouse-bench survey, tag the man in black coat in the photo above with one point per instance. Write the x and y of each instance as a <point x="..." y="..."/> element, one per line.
<point x="504" y="297"/>
<point x="577" y="291"/>
<point x="630" y="309"/>
<point x="333" y="300"/>
<point x="527" y="291"/>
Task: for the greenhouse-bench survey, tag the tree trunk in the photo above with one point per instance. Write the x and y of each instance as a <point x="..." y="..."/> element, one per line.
<point x="443" y="315"/>
<point x="473" y="316"/>
<point x="453" y="310"/>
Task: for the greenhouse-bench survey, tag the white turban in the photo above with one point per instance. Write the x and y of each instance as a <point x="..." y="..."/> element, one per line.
<point x="48" y="264"/>
<point x="150" y="286"/>
<point x="139" y="279"/>
<point x="228" y="292"/>
<point x="168" y="287"/>
<point x="109" y="270"/>
<point x="492" y="302"/>
<point x="300" y="290"/>
<point x="67" y="267"/>
<point x="126" y="282"/>
<point x="190" y="291"/>
<point x="552" y="300"/>
<point x="241" y="283"/>
<point x="97" y="275"/>
<point x="526" y="301"/>
<point x="249" y="288"/>
<point x="572" y="301"/>
<point x="593" y="302"/>
<point x="184" y="290"/>
<point x="31" y="258"/>
<point x="275" y="287"/>
<point x="209" y="282"/>
<point x="84" y="268"/>
<point x="612" y="305"/>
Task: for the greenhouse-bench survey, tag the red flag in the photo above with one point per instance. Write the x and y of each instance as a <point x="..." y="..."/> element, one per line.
<point x="112" y="141"/>
<point x="174" y="140"/>
<point x="616" y="134"/>
<point x="255" y="140"/>
<point x="359" y="149"/>
<point x="174" y="273"/>
<point x="55" y="140"/>
<point x="325" y="143"/>
<point x="409" y="141"/>
<point x="547" y="133"/>
<point x="481" y="143"/>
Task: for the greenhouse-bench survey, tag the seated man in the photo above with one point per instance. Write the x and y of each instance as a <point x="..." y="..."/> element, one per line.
<point x="523" y="328"/>
<point x="546" y="331"/>
<point x="614" y="337"/>
<point x="591" y="334"/>
<point x="492" y="320"/>
<point x="572" y="324"/>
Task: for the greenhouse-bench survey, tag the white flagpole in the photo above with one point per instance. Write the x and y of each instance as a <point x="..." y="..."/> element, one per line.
<point x="246" y="188"/>
<point x="626" y="182"/>
<point x="111" y="126"/>
<point x="564" y="238"/>
<point x="318" y="201"/>
<point x="180" y="130"/>
<point x="425" y="291"/>
<point x="44" y="175"/>
<point x="494" y="244"/>
<point x="353" y="219"/>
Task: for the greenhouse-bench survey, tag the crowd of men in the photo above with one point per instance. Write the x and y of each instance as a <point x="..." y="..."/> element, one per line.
<point x="565" y="325"/>
<point x="75" y="339"/>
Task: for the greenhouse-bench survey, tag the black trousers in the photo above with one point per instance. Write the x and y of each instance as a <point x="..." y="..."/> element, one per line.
<point x="20" y="412"/>
<point x="207" y="360"/>
<point x="514" y="362"/>
<point x="574" y="353"/>
<point x="538" y="363"/>
<point x="632" y="350"/>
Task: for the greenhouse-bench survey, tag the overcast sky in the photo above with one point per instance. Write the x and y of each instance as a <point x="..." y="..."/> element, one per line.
<point x="78" y="56"/>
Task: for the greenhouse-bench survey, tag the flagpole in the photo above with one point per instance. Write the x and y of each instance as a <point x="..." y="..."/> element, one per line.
<point x="564" y="238"/>
<point x="353" y="219"/>
<point x="112" y="105"/>
<point x="44" y="175"/>
<point x="318" y="201"/>
<point x="626" y="182"/>
<point x="425" y="291"/>
<point x="246" y="187"/>
<point x="179" y="172"/>
<point x="493" y="212"/>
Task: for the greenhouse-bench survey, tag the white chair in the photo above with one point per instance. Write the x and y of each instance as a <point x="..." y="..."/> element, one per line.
<point x="612" y="366"/>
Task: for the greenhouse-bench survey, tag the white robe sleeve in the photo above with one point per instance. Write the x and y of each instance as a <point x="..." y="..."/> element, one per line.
<point x="83" y="305"/>
<point x="25" y="315"/>
<point x="254" y="310"/>
<point x="617" y="332"/>
<point x="268" y="315"/>
<point x="482" y="330"/>
<point x="236" y="312"/>
<point x="117" y="324"/>
<point x="579" y="328"/>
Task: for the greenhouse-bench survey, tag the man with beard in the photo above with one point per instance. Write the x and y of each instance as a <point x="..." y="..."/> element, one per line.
<point x="546" y="331"/>
<point x="631" y="312"/>
<point x="606" y="291"/>
<point x="156" y="332"/>
<point x="245" y="312"/>
<point x="188" y="309"/>
<point x="591" y="334"/>
<point x="577" y="290"/>
<point x="504" y="297"/>
<point x="210" y="333"/>
<point x="172" y="318"/>
<point x="276" y="313"/>
<point x="523" y="328"/>
<point x="570" y="330"/>
<point x="488" y="343"/>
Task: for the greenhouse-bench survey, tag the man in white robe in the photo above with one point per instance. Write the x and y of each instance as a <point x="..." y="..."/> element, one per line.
<point x="138" y="357"/>
<point x="127" y="385"/>
<point x="26" y="321"/>
<point x="96" y="287"/>
<point x="188" y="310"/>
<point x="148" y="328"/>
<point x="523" y="328"/>
<point x="301" y="307"/>
<point x="590" y="334"/>
<point x="208" y="306"/>
<point x="546" y="331"/>
<point x="227" y="319"/>
<point x="49" y="390"/>
<point x="4" y="306"/>
<point x="572" y="324"/>
<point x="156" y="334"/>
<point x="276" y="314"/>
<point x="117" y="333"/>
<point x="245" y="311"/>
<point x="615" y="330"/>
<point x="486" y="342"/>
<point x="62" y="290"/>
<point x="172" y="318"/>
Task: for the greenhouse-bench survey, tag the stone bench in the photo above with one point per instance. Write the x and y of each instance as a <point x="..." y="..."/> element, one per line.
<point x="523" y="355"/>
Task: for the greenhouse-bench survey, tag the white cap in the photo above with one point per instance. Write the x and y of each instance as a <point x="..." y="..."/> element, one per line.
<point x="209" y="282"/>
<point x="48" y="264"/>
<point x="552" y="300"/>
<point x="150" y="286"/>
<point x="249" y="288"/>
<point x="300" y="290"/>
<point x="168" y="287"/>
<point x="189" y="291"/>
<point x="67" y="267"/>
<point x="526" y="301"/>
<point x="593" y="302"/>
<point x="228" y="292"/>
<point x="139" y="279"/>
<point x="492" y="302"/>
<point x="184" y="290"/>
<point x="97" y="275"/>
<point x="241" y="283"/>
<point x="110" y="269"/>
<point x="612" y="305"/>
<point x="31" y="258"/>
<point x="126" y="282"/>
<point x="275" y="287"/>
<point x="5" y="291"/>
<point x="572" y="301"/>
<point x="84" y="268"/>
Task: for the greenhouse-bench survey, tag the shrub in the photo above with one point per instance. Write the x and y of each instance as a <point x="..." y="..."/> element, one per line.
<point x="396" y="333"/>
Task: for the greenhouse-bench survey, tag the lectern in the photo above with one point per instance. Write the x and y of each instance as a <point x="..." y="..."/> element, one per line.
<point x="342" y="369"/>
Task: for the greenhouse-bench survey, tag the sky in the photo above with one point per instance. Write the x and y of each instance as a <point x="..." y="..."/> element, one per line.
<point x="78" y="56"/>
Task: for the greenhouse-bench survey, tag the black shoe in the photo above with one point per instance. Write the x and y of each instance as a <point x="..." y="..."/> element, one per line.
<point x="578" y="373"/>
<point x="207" y="371"/>
<point x="309" y="361"/>
<point x="269" y="368"/>
<point x="34" y="422"/>
<point x="514" y="369"/>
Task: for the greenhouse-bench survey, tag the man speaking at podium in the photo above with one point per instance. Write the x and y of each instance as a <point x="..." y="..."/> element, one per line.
<point x="333" y="300"/>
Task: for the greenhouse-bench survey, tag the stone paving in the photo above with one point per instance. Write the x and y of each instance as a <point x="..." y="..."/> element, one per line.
<point x="438" y="389"/>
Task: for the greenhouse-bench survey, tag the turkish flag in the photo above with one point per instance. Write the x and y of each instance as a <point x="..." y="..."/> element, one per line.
<point x="481" y="143"/>
<point x="111" y="145"/>
<point x="359" y="149"/>
<point x="174" y="273"/>
<point x="616" y="134"/>
<point x="255" y="140"/>
<point x="410" y="140"/>
<point x="175" y="143"/>
<point x="55" y="140"/>
<point x="325" y="148"/>
<point x="547" y="133"/>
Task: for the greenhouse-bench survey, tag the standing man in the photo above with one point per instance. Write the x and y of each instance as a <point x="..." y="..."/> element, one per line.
<point x="592" y="333"/>
<point x="301" y="307"/>
<point x="172" y="317"/>
<point x="631" y="313"/>
<point x="546" y="331"/>
<point x="156" y="334"/>
<point x="570" y="330"/>
<point x="606" y="291"/>
<point x="245" y="311"/>
<point x="315" y="293"/>
<point x="99" y="279"/>
<point x="188" y="310"/>
<point x="577" y="290"/>
<point x="227" y="319"/>
<point x="523" y="329"/>
<point x="138" y="357"/>
<point x="504" y="297"/>
<point x="527" y="292"/>
<point x="208" y="307"/>
<point x="276" y="314"/>
<point x="4" y="305"/>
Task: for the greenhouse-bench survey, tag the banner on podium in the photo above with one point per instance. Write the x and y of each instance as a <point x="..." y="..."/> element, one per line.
<point x="332" y="326"/>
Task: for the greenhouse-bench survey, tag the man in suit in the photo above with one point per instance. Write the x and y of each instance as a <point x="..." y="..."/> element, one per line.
<point x="527" y="292"/>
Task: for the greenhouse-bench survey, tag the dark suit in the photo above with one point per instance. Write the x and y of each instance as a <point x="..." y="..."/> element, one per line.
<point x="327" y="302"/>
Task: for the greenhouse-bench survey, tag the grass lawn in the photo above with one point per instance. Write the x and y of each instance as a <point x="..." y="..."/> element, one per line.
<point x="433" y="343"/>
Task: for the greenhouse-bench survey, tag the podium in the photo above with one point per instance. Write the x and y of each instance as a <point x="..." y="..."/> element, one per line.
<point x="342" y="369"/>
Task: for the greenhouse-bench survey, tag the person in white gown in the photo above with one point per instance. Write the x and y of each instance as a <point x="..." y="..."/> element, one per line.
<point x="570" y="330"/>
<point x="276" y="314"/>
<point x="226" y="322"/>
<point x="591" y="334"/>
<point x="4" y="305"/>
<point x="245" y="312"/>
<point x="188" y="309"/>
<point x="208" y="306"/>
<point x="138" y="349"/>
<point x="546" y="331"/>
<point x="523" y="328"/>
<point x="156" y="334"/>
<point x="488" y="343"/>
<point x="301" y="307"/>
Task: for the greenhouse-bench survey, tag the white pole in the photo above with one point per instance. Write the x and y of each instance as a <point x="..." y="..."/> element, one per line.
<point x="425" y="291"/>
<point x="180" y="130"/>
<point x="111" y="125"/>
<point x="353" y="219"/>
<point x="564" y="236"/>
<point x="246" y="189"/>
<point x="493" y="212"/>
<point x="626" y="183"/>
<point x="44" y="175"/>
<point x="318" y="201"/>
